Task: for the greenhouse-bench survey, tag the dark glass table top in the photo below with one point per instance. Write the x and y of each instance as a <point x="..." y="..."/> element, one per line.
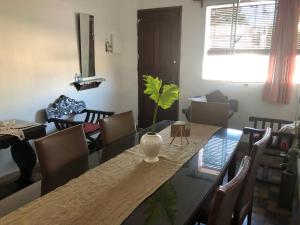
<point x="178" y="200"/>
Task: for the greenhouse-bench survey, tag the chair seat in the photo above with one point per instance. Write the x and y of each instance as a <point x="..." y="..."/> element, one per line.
<point x="91" y="128"/>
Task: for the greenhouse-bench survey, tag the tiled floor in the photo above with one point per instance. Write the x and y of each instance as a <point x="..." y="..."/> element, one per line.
<point x="9" y="186"/>
<point x="266" y="210"/>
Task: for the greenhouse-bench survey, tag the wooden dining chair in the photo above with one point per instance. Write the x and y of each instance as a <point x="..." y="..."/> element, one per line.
<point x="62" y="157"/>
<point x="227" y="195"/>
<point x="116" y="127"/>
<point x="211" y="113"/>
<point x="245" y="201"/>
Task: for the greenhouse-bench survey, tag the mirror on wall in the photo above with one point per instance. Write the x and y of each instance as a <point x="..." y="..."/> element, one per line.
<point x="86" y="44"/>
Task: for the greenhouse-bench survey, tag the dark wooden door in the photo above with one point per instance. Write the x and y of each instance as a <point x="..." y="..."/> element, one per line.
<point x="159" y="37"/>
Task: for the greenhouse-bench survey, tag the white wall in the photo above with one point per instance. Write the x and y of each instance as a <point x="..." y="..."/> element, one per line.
<point x="39" y="58"/>
<point x="191" y="83"/>
<point x="128" y="65"/>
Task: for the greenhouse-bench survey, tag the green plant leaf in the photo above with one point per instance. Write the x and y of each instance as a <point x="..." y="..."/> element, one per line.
<point x="161" y="205"/>
<point x="169" y="95"/>
<point x="153" y="86"/>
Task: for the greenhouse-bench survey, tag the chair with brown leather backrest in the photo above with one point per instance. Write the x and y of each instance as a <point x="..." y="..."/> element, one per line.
<point x="62" y="157"/>
<point x="211" y="113"/>
<point x="117" y="126"/>
<point x="226" y="197"/>
<point x="245" y="202"/>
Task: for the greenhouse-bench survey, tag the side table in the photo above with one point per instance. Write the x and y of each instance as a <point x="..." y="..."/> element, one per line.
<point x="22" y="152"/>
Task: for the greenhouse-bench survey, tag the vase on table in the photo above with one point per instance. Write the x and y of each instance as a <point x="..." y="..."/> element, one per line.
<point x="151" y="144"/>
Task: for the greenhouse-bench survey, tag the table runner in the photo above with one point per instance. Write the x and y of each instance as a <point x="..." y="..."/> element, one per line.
<point x="107" y="194"/>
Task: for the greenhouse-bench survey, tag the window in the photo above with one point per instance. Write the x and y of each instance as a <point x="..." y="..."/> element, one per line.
<point x="238" y="40"/>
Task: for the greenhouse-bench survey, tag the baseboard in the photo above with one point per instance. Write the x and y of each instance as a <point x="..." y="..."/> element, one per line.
<point x="11" y="177"/>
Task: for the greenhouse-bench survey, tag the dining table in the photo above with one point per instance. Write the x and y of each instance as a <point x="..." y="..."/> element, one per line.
<point x="178" y="199"/>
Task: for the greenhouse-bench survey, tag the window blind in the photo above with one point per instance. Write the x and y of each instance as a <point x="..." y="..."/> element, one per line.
<point x="241" y="28"/>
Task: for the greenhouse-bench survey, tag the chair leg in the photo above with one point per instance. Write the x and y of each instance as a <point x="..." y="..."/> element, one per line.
<point x="95" y="143"/>
<point x="249" y="217"/>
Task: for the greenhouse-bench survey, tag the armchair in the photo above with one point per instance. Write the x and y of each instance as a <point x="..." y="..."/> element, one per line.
<point x="216" y="97"/>
<point x="65" y="106"/>
<point x="277" y="147"/>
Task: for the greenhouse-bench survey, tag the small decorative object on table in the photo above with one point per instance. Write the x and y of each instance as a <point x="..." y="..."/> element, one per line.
<point x="151" y="143"/>
<point x="180" y="129"/>
<point x="164" y="96"/>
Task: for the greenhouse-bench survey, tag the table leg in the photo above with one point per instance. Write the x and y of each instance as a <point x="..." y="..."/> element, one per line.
<point x="25" y="157"/>
<point x="232" y="167"/>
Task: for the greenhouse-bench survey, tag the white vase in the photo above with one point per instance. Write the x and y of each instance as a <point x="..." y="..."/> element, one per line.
<point x="151" y="144"/>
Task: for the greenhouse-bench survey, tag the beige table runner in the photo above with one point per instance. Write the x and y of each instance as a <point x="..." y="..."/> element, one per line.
<point x="107" y="194"/>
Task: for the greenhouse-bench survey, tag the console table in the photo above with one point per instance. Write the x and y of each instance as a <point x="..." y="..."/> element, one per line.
<point x="22" y="152"/>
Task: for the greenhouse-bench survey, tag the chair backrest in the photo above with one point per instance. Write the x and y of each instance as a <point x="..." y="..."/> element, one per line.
<point x="116" y="127"/>
<point x="211" y="113"/>
<point x="258" y="149"/>
<point x="262" y="123"/>
<point x="226" y="197"/>
<point x="62" y="157"/>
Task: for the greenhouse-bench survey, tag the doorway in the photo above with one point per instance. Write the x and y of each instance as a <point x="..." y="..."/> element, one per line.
<point x="159" y="41"/>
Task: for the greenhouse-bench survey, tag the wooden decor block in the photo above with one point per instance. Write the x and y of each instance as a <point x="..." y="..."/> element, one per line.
<point x="176" y="129"/>
<point x="180" y="129"/>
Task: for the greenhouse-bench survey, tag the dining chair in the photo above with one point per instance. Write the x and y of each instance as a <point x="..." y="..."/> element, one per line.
<point x="116" y="127"/>
<point x="215" y="96"/>
<point x="226" y="196"/>
<point x="245" y="201"/>
<point x="211" y="113"/>
<point x="62" y="156"/>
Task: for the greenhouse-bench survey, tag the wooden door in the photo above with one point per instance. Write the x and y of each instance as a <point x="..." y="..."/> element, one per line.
<point x="159" y="37"/>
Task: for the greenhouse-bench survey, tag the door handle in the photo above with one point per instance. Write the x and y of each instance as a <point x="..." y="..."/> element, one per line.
<point x="174" y="61"/>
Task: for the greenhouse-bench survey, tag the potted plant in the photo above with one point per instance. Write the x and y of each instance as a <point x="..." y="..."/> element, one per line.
<point x="164" y="97"/>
